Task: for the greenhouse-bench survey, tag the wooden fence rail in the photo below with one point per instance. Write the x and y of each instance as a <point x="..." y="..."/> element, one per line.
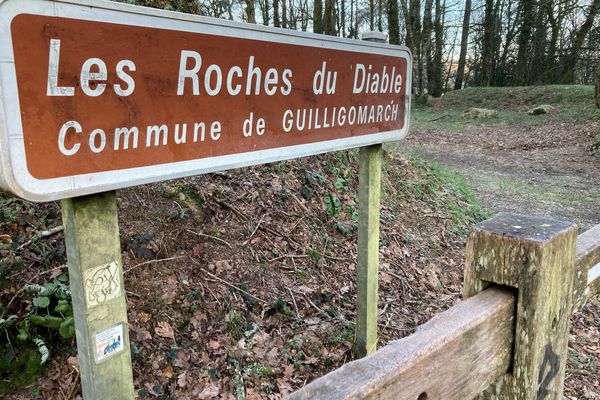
<point x="510" y="339"/>
<point x="436" y="361"/>
<point x="587" y="267"/>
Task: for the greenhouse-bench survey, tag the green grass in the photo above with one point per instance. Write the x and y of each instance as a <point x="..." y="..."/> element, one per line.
<point x="572" y="102"/>
<point x="538" y="192"/>
<point x="432" y="186"/>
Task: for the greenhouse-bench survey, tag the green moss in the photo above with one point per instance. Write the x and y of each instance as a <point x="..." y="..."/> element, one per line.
<point x="19" y="367"/>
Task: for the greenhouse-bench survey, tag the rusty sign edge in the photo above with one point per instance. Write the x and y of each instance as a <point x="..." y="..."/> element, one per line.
<point x="14" y="174"/>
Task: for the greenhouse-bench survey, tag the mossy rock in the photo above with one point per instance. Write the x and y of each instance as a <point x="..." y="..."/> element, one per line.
<point x="480" y="113"/>
<point x="541" y="109"/>
<point x="19" y="367"/>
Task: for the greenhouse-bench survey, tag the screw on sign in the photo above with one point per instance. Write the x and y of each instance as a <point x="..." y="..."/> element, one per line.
<point x="97" y="96"/>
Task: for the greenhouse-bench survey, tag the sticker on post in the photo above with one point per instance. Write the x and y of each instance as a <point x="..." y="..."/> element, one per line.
<point x="102" y="283"/>
<point x="109" y="342"/>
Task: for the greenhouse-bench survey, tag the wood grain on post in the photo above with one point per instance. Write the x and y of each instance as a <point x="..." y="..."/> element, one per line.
<point x="369" y="195"/>
<point x="100" y="311"/>
<point x="536" y="256"/>
<point x="454" y="356"/>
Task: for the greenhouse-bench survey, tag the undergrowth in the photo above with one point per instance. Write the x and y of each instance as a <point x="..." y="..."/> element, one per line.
<point x="40" y="312"/>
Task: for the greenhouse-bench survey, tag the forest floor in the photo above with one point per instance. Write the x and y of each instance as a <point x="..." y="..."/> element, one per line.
<point x="544" y="165"/>
<point x="241" y="284"/>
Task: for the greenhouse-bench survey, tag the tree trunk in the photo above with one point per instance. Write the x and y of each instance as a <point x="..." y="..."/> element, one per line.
<point x="550" y="64"/>
<point x="436" y="68"/>
<point x="343" y="19"/>
<point x="265" y="12"/>
<point x="318" y="16"/>
<point x="426" y="59"/>
<point x="284" y="17"/>
<point x="276" y="22"/>
<point x="393" y="22"/>
<point x="538" y="49"/>
<point x="329" y="18"/>
<point x="488" y="43"/>
<point x="380" y="15"/>
<point x="250" y="13"/>
<point x="511" y="28"/>
<point x="523" y="54"/>
<point x="464" y="41"/>
<point x="568" y="72"/>
<point x="371" y="15"/>
<point x="408" y="25"/>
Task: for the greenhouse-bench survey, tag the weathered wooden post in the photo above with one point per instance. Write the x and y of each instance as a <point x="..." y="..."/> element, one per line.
<point x="369" y="195"/>
<point x="536" y="257"/>
<point x="99" y="307"/>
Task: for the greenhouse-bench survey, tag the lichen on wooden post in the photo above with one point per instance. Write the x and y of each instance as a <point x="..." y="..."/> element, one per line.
<point x="369" y="194"/>
<point x="100" y="311"/>
<point x="536" y="257"/>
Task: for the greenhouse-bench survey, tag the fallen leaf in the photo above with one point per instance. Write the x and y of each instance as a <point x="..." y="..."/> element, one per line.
<point x="182" y="379"/>
<point x="167" y="373"/>
<point x="144" y="317"/>
<point x="163" y="329"/>
<point x="210" y="391"/>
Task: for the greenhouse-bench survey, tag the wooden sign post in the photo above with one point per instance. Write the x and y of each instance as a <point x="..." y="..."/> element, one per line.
<point x="98" y="292"/>
<point x="369" y="199"/>
<point x="97" y="96"/>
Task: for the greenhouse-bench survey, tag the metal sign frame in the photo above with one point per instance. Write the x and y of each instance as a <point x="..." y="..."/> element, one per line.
<point x="14" y="174"/>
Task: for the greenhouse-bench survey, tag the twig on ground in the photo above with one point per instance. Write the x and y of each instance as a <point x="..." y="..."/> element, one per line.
<point x="210" y="237"/>
<point x="40" y="235"/>
<point x="292" y="256"/>
<point x="254" y="231"/>
<point x="293" y="228"/>
<point x="315" y="306"/>
<point x="300" y="204"/>
<point x="438" y="118"/>
<point x="151" y="262"/>
<point x="231" y="285"/>
<point x="232" y="208"/>
<point x="336" y="258"/>
<point x="294" y="301"/>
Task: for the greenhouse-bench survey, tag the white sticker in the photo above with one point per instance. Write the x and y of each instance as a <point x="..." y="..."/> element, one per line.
<point x="109" y="342"/>
<point x="102" y="283"/>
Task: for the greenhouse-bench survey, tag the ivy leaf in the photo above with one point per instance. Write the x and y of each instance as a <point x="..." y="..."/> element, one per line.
<point x="63" y="307"/>
<point x="67" y="328"/>
<point x="41" y="302"/>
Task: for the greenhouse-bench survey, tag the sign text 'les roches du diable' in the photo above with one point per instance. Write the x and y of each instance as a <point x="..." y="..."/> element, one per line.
<point x="99" y="96"/>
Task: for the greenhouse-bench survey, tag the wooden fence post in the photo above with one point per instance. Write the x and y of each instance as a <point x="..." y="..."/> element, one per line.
<point x="369" y="197"/>
<point x="369" y="193"/>
<point x="100" y="310"/>
<point x="536" y="257"/>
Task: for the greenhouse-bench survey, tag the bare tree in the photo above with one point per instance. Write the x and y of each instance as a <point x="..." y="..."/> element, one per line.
<point x="464" y="41"/>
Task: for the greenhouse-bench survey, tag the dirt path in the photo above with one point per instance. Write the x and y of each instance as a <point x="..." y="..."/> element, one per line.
<point x="541" y="170"/>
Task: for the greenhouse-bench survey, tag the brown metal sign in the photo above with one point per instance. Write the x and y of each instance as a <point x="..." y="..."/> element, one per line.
<point x="113" y="96"/>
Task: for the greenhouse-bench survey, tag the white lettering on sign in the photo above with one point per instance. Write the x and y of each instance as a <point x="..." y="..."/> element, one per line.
<point x="53" y="88"/>
<point x="366" y="81"/>
<point x="93" y="71"/>
<point x="120" y="96"/>
<point x="190" y="66"/>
